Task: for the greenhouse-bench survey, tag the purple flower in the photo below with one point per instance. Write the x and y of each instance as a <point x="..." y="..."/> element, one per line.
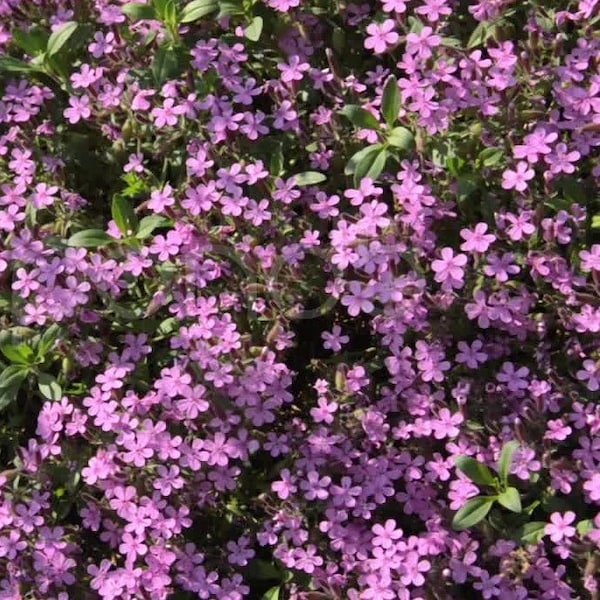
<point x="449" y="270"/>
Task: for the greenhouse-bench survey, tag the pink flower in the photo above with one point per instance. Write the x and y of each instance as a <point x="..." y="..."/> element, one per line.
<point x="517" y="179"/>
<point x="293" y="71"/>
<point x="559" y="527"/>
<point x="591" y="373"/>
<point x="592" y="487"/>
<point x="359" y="298"/>
<point x="381" y="36"/>
<point x="386" y="535"/>
<point x="590" y="259"/>
<point x="449" y="269"/>
<point x="79" y="109"/>
<point x="477" y="240"/>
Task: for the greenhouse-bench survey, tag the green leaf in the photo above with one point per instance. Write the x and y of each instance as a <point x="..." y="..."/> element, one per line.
<point x="33" y="42"/>
<point x="360" y="117"/>
<point x="139" y="12"/>
<point x="277" y="159"/>
<point x="149" y="224"/>
<point x="49" y="387"/>
<point x="510" y="499"/>
<point x="474" y="511"/>
<point x="197" y="9"/>
<point x="401" y="137"/>
<point x="309" y="178"/>
<point x="390" y="101"/>
<point x="14" y="65"/>
<point x="505" y="460"/>
<point x="229" y="8"/>
<point x="466" y="186"/>
<point x="123" y="215"/>
<point x="47" y="340"/>
<point x="254" y="30"/>
<point x="60" y="37"/>
<point x="89" y="238"/>
<point x="371" y="166"/>
<point x="489" y="157"/>
<point x="595" y="222"/>
<point x="13" y="375"/>
<point x="272" y="594"/>
<point x="531" y="533"/>
<point x="585" y="526"/>
<point x="165" y="64"/>
<point x="8" y="395"/>
<point x="357" y="158"/>
<point x="476" y="471"/>
<point x="21" y="354"/>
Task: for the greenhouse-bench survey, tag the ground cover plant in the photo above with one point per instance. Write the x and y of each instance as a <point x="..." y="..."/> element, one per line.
<point x="299" y="300"/>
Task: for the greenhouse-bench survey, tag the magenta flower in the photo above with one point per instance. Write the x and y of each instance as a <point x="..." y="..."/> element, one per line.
<point x="359" y="298"/>
<point x="381" y="36"/>
<point x="559" y="527"/>
<point x="449" y="270"/>
<point x="80" y="109"/>
<point x="591" y="374"/>
<point x="590" y="259"/>
<point x="517" y="179"/>
<point x="294" y="70"/>
<point x="477" y="240"/>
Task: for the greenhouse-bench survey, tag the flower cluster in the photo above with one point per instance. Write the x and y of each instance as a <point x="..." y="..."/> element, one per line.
<point x="299" y="300"/>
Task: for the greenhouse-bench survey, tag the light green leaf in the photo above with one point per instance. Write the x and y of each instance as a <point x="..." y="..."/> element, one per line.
<point x="272" y="594"/>
<point x="390" y="101"/>
<point x="401" y="137"/>
<point x="510" y="499"/>
<point x="371" y="166"/>
<point x="89" y="238"/>
<point x="309" y="178"/>
<point x="474" y="511"/>
<point x="20" y="354"/>
<point x="149" y="224"/>
<point x="139" y="12"/>
<point x="47" y="340"/>
<point x="254" y="30"/>
<point x="49" y="387"/>
<point x="585" y="526"/>
<point x="60" y="37"/>
<point x="165" y="64"/>
<point x="357" y="158"/>
<point x="505" y="460"/>
<point x="476" y="471"/>
<point x="123" y="215"/>
<point x="9" y="64"/>
<point x="490" y="157"/>
<point x="360" y="117"/>
<point x="34" y="41"/>
<point x="197" y="9"/>
<point x="531" y="533"/>
<point x="13" y="375"/>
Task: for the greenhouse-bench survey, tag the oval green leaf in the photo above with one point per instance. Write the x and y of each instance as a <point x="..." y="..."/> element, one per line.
<point x="401" y="137"/>
<point x="197" y="9"/>
<point x="506" y="458"/>
<point x="390" y="101"/>
<point x="474" y="511"/>
<point x="510" y="499"/>
<point x="360" y="117"/>
<point x="49" y="387"/>
<point x="60" y="37"/>
<point x="309" y="178"/>
<point x="138" y="11"/>
<point x="89" y="238"/>
<point x="254" y="30"/>
<point x="476" y="471"/>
